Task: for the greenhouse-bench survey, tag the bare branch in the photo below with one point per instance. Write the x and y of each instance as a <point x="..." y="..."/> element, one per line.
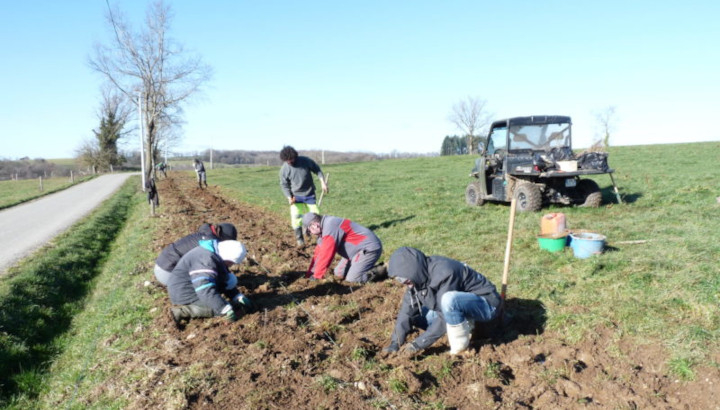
<point x="606" y="119"/>
<point x="148" y="61"/>
<point x="471" y="117"/>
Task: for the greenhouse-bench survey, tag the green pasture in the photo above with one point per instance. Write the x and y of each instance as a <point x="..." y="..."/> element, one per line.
<point x="23" y="190"/>
<point x="665" y="290"/>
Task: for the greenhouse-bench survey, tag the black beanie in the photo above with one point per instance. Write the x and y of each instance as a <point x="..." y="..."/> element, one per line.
<point x="227" y="232"/>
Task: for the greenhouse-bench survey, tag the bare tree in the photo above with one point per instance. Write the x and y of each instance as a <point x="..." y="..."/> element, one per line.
<point x="150" y="65"/>
<point x="606" y="119"/>
<point x="471" y="117"/>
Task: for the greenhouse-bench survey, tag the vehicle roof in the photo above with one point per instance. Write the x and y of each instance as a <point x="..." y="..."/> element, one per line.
<point x="532" y="120"/>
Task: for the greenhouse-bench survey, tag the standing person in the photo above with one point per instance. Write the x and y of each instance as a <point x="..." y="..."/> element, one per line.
<point x="200" y="171"/>
<point x="297" y="185"/>
<point x="443" y="295"/>
<point x="171" y="254"/>
<point x="358" y="247"/>
<point x="201" y="285"/>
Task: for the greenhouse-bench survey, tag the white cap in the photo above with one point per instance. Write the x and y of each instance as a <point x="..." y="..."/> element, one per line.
<point x="232" y="251"/>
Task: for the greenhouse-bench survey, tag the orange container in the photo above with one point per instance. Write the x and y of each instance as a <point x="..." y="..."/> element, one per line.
<point x="552" y="223"/>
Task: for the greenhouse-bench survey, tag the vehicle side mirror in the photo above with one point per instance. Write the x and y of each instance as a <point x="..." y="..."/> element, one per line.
<point x="481" y="148"/>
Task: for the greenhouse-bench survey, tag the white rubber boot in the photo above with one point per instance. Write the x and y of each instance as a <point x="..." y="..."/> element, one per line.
<point x="459" y="336"/>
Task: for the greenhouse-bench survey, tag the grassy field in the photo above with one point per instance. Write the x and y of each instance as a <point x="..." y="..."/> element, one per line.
<point x="23" y="190"/>
<point x="665" y="291"/>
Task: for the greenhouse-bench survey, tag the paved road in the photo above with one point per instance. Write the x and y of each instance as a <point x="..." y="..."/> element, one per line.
<point x="26" y="227"/>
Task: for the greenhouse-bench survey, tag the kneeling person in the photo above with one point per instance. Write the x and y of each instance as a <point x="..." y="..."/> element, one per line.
<point x="443" y="295"/>
<point x="358" y="246"/>
<point x="201" y="279"/>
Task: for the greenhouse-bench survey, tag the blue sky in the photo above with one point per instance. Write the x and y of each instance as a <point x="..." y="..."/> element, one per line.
<point x="375" y="75"/>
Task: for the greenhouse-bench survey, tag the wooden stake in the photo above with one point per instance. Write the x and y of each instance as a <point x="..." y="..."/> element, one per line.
<point x="327" y="178"/>
<point x="508" y="248"/>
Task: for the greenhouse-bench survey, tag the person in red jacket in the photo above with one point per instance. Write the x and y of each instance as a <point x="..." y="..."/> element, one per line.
<point x="358" y="246"/>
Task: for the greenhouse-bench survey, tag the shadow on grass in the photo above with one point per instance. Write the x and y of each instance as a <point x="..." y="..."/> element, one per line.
<point x="390" y="223"/>
<point x="40" y="301"/>
<point x="609" y="197"/>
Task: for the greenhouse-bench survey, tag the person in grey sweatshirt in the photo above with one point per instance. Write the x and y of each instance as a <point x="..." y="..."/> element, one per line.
<point x="296" y="183"/>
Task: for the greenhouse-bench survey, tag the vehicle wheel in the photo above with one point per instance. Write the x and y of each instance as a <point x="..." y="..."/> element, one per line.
<point x="473" y="194"/>
<point x="590" y="193"/>
<point x="528" y="197"/>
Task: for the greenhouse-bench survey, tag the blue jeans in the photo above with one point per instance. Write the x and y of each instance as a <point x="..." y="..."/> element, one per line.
<point x="458" y="307"/>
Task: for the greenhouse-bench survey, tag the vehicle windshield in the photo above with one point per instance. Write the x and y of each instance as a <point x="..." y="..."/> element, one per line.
<point x="539" y="137"/>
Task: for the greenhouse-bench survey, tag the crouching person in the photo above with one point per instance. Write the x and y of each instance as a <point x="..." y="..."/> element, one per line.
<point x="171" y="254"/>
<point x="201" y="285"/>
<point x="357" y="246"/>
<point x="443" y="295"/>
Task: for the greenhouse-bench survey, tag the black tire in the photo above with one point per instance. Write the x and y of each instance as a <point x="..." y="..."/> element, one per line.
<point x="528" y="197"/>
<point x="590" y="194"/>
<point x="473" y="194"/>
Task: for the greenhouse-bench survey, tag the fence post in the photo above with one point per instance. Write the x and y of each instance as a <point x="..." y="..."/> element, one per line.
<point x="41" y="185"/>
<point x="72" y="178"/>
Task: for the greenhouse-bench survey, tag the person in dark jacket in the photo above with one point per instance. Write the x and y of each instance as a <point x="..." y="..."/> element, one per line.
<point x="200" y="171"/>
<point x="201" y="285"/>
<point x="443" y="295"/>
<point x="171" y="254"/>
<point x="357" y="245"/>
<point x="297" y="185"/>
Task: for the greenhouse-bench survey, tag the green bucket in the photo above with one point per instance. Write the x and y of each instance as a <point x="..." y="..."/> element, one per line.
<point x="552" y="242"/>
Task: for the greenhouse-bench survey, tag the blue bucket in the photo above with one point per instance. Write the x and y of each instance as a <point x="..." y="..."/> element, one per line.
<point x="576" y="232"/>
<point x="587" y="244"/>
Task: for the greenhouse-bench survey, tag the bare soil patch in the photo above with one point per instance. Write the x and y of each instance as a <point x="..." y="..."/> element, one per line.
<point x="318" y="344"/>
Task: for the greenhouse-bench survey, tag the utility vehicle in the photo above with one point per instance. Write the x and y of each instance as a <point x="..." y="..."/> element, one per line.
<point x="531" y="159"/>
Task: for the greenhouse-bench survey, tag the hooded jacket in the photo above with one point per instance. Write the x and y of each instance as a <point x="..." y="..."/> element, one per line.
<point x="431" y="277"/>
<point x="171" y="254"/>
<point x="200" y="278"/>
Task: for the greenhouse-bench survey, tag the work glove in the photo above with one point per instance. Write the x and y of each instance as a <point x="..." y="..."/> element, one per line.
<point x="229" y="313"/>
<point x="393" y="348"/>
<point x="409" y="349"/>
<point x="244" y="303"/>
